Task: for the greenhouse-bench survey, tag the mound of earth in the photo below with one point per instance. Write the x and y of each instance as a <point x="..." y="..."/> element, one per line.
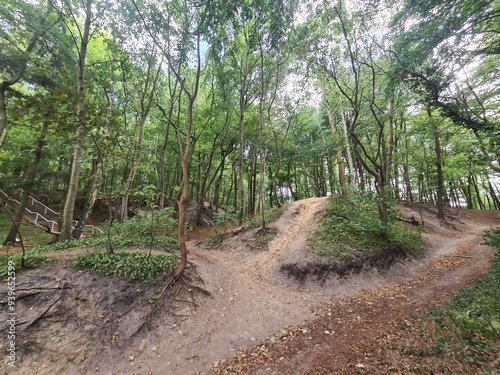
<point x="258" y="318"/>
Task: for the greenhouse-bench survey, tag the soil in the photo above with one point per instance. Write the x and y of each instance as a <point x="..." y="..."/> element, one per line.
<point x="258" y="318"/>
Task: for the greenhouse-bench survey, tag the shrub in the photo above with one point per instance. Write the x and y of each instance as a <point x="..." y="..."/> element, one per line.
<point x="159" y="232"/>
<point x="352" y="226"/>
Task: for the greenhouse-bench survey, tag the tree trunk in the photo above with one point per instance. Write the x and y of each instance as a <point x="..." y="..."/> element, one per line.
<point x="478" y="193"/>
<point x="340" y="162"/>
<point x="352" y="174"/>
<point x="217" y="185"/>
<point x="439" y="167"/>
<point x="494" y="196"/>
<point x="93" y="190"/>
<point x="3" y="115"/>
<point x="161" y="182"/>
<point x="179" y="270"/>
<point x="69" y="205"/>
<point x="406" y="176"/>
<point x="390" y="151"/>
<point x="240" y="160"/>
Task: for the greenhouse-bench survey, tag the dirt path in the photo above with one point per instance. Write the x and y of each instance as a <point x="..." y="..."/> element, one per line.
<point x="285" y="327"/>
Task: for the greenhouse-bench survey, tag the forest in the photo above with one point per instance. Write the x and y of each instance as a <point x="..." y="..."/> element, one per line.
<point x="248" y="186"/>
<point x="247" y="105"/>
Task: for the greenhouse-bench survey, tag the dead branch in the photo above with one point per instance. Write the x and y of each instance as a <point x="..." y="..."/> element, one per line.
<point x="16" y="325"/>
<point x="178" y="315"/>
<point x="18" y="297"/>
<point x="239" y="230"/>
<point x="411" y="220"/>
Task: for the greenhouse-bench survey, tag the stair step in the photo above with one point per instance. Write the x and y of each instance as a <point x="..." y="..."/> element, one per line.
<point x="39" y="213"/>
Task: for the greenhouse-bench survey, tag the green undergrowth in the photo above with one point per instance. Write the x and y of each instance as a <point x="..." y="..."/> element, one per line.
<point x="32" y="259"/>
<point x="156" y="233"/>
<point x="128" y="266"/>
<point x="138" y="232"/>
<point x="352" y="229"/>
<point x="466" y="329"/>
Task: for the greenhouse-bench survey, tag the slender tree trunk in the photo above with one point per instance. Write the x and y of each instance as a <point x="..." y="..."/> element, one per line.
<point x="96" y="179"/>
<point x="478" y="193"/>
<point x="161" y="178"/>
<point x="235" y="186"/>
<point x="123" y="214"/>
<point x="390" y="151"/>
<point x="406" y="175"/>
<point x="352" y="174"/>
<point x="146" y="102"/>
<point x="69" y="205"/>
<point x="217" y="185"/>
<point x="3" y="115"/>
<point x="240" y="160"/>
<point x="340" y="162"/>
<point x="467" y="192"/>
<point x="439" y="167"/>
<point x="93" y="190"/>
<point x="181" y="233"/>
<point x="494" y="196"/>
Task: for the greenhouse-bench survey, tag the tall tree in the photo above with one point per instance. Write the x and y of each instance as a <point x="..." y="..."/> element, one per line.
<point x="187" y="21"/>
<point x="81" y="40"/>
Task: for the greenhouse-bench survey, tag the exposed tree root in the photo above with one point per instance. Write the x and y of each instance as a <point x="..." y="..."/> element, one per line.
<point x="185" y="280"/>
<point x="148" y="316"/>
<point x="46" y="310"/>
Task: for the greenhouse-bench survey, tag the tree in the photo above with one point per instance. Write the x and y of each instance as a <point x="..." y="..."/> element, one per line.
<point x="23" y="28"/>
<point x="81" y="41"/>
<point x="189" y="15"/>
<point x="436" y="55"/>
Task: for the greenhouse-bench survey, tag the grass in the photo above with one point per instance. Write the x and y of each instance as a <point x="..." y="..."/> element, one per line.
<point x="351" y="228"/>
<point x="465" y="332"/>
<point x="31" y="235"/>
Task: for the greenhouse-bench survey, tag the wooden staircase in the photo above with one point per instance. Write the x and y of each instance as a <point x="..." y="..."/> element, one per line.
<point x="41" y="215"/>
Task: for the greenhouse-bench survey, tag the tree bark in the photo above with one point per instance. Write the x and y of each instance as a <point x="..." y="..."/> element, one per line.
<point x="439" y="167"/>
<point x="240" y="127"/>
<point x="352" y="174"/>
<point x="69" y="205"/>
<point x="181" y="232"/>
<point x="340" y="161"/>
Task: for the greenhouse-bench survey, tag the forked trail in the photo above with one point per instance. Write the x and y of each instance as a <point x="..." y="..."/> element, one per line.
<point x="286" y="327"/>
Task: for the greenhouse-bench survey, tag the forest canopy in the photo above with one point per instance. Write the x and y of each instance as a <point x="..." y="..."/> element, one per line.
<point x="248" y="105"/>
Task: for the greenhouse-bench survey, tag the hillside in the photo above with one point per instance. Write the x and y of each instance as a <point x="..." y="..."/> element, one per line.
<point x="86" y="322"/>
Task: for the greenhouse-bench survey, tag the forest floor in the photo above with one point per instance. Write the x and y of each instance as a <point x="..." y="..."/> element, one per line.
<point x="257" y="320"/>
